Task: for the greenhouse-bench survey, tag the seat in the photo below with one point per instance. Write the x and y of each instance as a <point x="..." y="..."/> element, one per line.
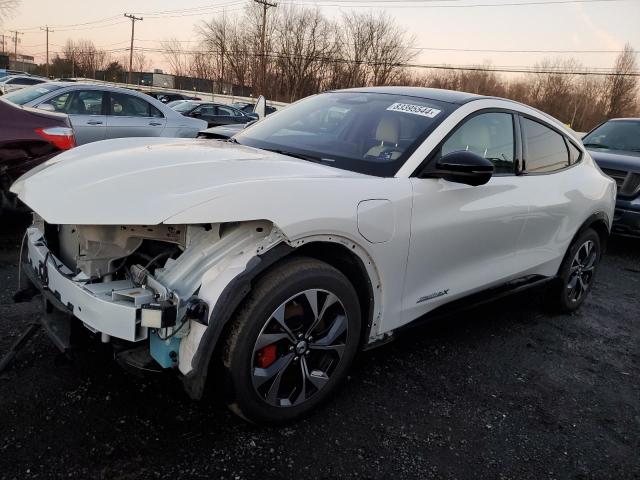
<point x="388" y="134"/>
<point x="76" y="106"/>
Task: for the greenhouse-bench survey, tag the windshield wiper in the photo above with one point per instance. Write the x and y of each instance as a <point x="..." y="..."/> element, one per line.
<point x="597" y="145"/>
<point x="301" y="156"/>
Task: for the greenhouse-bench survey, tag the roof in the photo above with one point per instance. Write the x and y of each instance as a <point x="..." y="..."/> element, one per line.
<point x="631" y="119"/>
<point x="206" y="102"/>
<point x="97" y="86"/>
<point x="21" y="75"/>
<point x="449" y="96"/>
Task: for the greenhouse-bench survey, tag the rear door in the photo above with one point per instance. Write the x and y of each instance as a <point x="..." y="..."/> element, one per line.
<point x="86" y="113"/>
<point x="132" y="116"/>
<point x="550" y="184"/>
<point x="232" y="115"/>
<point x="225" y="116"/>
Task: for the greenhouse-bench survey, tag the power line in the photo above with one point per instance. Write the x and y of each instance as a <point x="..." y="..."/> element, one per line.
<point x="498" y="69"/>
<point x="185" y="10"/>
<point x="422" y="4"/>
<point x="154" y="14"/>
<point x="513" y="51"/>
<point x="194" y="12"/>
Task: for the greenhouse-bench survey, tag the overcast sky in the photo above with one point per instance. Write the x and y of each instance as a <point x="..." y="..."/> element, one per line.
<point x="605" y="25"/>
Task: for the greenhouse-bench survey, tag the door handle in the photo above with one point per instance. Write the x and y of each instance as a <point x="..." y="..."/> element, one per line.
<point x="155" y="124"/>
<point x="94" y="122"/>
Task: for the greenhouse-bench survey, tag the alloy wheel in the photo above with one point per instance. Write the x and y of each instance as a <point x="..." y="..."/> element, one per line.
<point x="299" y="348"/>
<point x="581" y="271"/>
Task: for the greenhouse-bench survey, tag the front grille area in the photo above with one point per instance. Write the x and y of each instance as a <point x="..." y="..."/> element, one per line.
<point x="628" y="182"/>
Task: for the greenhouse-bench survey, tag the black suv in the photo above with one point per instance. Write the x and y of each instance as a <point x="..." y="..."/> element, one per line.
<point x="615" y="146"/>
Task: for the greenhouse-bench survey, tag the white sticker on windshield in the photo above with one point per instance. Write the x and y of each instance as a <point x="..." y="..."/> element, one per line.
<point x="415" y="109"/>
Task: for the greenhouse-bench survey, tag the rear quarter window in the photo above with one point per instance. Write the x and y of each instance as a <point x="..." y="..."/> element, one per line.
<point x="545" y="149"/>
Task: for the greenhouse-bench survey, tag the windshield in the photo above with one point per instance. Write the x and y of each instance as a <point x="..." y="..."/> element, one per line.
<point x="615" y="135"/>
<point x="371" y="133"/>
<point x="26" y="95"/>
<point x="185" y="106"/>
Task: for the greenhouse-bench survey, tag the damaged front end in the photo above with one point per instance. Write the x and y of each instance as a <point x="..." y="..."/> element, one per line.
<point x="150" y="287"/>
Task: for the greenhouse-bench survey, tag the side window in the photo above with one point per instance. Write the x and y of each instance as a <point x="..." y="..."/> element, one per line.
<point x="60" y="102"/>
<point x="489" y="135"/>
<point x="32" y="81"/>
<point x="154" y="112"/>
<point x="83" y="102"/>
<point x="128" y="106"/>
<point x="574" y="154"/>
<point x="226" y="112"/>
<point x="208" y="110"/>
<point x="545" y="150"/>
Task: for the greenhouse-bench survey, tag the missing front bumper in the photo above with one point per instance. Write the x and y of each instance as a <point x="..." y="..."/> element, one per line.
<point x="98" y="306"/>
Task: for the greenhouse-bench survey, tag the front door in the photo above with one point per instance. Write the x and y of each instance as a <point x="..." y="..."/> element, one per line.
<point x="465" y="238"/>
<point x="86" y="113"/>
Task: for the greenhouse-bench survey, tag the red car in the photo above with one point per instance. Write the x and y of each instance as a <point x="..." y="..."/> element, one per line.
<point x="28" y="137"/>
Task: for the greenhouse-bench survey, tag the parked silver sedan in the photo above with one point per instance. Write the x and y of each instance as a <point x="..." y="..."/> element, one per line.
<point x="99" y="112"/>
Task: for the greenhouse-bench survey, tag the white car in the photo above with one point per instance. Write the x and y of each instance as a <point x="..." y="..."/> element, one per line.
<point x="322" y="230"/>
<point x="12" y="83"/>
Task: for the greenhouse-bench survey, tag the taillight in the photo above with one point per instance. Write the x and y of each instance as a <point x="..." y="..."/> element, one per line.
<point x="61" y="137"/>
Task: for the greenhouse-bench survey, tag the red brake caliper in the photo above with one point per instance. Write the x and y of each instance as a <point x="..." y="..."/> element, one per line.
<point x="266" y="356"/>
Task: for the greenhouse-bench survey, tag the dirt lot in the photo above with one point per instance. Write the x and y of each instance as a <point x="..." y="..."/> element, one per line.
<point x="503" y="391"/>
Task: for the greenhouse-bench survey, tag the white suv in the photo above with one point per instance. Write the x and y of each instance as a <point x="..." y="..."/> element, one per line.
<point x="319" y="231"/>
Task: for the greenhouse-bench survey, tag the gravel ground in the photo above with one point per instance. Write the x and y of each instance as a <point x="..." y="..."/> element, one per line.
<point x="503" y="391"/>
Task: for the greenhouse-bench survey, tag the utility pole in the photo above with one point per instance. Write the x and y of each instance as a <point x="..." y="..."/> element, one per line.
<point x="15" y="46"/>
<point x="263" y="65"/>
<point x="48" y="30"/>
<point x="133" y="25"/>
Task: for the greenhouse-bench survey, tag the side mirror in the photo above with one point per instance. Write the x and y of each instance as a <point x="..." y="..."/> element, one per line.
<point x="195" y="114"/>
<point x="47" y="107"/>
<point x="462" y="167"/>
<point x="253" y="115"/>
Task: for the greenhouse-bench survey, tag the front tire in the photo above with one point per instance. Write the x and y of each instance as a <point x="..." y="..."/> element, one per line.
<point x="577" y="272"/>
<point x="291" y="342"/>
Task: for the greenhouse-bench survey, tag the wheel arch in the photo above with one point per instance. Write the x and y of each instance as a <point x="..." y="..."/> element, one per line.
<point x="598" y="221"/>
<point x="343" y="254"/>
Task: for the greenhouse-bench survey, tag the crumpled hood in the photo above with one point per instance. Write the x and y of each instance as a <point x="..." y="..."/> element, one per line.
<point x="144" y="181"/>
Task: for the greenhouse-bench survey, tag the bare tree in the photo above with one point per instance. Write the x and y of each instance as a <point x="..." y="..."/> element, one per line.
<point x="304" y="47"/>
<point x="7" y="9"/>
<point x="141" y="62"/>
<point x="307" y="53"/>
<point x="216" y="42"/>
<point x="176" y="57"/>
<point x="621" y="87"/>
<point x="84" y="57"/>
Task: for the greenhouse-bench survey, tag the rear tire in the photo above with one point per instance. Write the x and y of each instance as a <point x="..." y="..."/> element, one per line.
<point x="577" y="272"/>
<point x="291" y="342"/>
